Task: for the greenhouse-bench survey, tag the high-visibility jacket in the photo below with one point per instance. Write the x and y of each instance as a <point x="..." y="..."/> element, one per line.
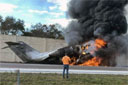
<point x="66" y="60"/>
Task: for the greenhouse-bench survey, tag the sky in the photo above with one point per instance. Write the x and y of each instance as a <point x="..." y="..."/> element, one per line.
<point x="35" y="11"/>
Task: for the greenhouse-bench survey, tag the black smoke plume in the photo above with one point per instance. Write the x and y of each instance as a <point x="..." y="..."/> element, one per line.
<point x="99" y="19"/>
<point x="95" y="18"/>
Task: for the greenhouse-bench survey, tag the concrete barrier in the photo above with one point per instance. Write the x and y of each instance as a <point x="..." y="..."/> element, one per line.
<point x="41" y="44"/>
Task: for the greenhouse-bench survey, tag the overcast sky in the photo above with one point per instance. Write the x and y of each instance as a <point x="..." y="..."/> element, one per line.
<point x="34" y="11"/>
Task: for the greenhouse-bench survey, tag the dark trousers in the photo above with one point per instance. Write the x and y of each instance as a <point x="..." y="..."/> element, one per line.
<point x="65" y="68"/>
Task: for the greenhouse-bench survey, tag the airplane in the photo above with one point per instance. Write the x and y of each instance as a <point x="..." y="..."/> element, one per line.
<point x="30" y="55"/>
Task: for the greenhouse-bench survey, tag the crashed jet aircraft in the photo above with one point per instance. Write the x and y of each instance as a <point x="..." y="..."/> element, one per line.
<point x="30" y="55"/>
<point x="79" y="54"/>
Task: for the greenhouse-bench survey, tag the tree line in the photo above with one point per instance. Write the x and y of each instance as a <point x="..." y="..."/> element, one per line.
<point x="12" y="26"/>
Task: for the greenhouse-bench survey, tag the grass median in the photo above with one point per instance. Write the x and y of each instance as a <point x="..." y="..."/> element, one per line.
<point x="56" y="79"/>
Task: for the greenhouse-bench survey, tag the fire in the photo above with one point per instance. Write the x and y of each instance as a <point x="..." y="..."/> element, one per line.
<point x="73" y="61"/>
<point x="91" y="47"/>
<point x="95" y="61"/>
<point x="99" y="43"/>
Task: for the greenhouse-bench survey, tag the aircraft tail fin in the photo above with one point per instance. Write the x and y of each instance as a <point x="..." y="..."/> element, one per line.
<point x="22" y="50"/>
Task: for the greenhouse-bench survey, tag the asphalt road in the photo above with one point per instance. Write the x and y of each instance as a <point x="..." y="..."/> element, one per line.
<point x="48" y="68"/>
<point x="51" y="66"/>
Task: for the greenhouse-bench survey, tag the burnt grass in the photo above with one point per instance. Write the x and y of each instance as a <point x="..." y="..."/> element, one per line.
<point x="56" y="79"/>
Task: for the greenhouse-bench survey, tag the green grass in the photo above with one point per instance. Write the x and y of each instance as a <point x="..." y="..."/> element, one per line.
<point x="56" y="79"/>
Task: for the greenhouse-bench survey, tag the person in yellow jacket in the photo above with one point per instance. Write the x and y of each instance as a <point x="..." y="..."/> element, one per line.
<point x="66" y="61"/>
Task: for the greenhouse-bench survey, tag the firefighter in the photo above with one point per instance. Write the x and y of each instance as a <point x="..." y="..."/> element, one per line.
<point x="66" y="61"/>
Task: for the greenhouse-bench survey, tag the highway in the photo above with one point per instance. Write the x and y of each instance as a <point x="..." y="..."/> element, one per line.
<point x="48" y="68"/>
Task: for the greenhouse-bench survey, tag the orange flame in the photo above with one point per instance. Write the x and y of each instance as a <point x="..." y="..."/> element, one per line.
<point x="73" y="61"/>
<point x="99" y="43"/>
<point x="95" y="61"/>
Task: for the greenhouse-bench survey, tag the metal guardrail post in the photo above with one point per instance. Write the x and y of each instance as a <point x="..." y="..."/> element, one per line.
<point x="18" y="77"/>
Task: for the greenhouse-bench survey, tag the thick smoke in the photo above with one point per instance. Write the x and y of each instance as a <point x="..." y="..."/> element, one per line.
<point x="116" y="51"/>
<point x="100" y="19"/>
<point x="95" y="18"/>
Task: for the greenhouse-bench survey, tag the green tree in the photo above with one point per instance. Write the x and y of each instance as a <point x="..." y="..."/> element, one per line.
<point x="12" y="26"/>
<point x="39" y="30"/>
<point x="45" y="31"/>
<point x="18" y="27"/>
<point x="54" y="32"/>
<point x="1" y="20"/>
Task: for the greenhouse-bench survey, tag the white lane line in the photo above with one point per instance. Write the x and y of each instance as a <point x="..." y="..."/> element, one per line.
<point x="59" y="71"/>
